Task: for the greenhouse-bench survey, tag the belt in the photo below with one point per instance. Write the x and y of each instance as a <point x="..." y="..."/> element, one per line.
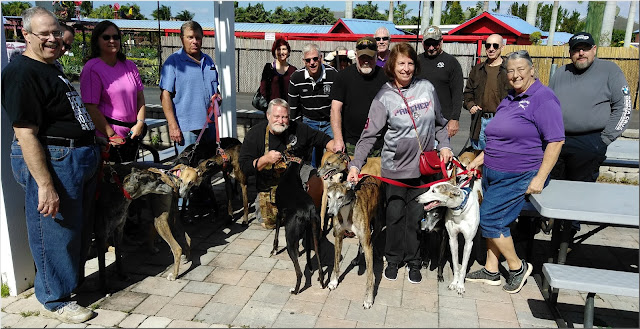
<point x="488" y="115"/>
<point x="68" y="142"/>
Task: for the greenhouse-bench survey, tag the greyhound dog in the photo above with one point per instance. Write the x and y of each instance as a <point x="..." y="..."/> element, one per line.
<point x="297" y="212"/>
<point x="355" y="209"/>
<point x="206" y="158"/>
<point x="334" y="169"/>
<point x="462" y="216"/>
<point x="433" y="240"/>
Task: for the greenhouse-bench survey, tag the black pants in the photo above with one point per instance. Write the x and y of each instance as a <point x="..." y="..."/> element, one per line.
<point x="580" y="158"/>
<point x="403" y="222"/>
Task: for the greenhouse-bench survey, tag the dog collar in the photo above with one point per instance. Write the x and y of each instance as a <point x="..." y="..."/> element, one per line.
<point x="466" y="192"/>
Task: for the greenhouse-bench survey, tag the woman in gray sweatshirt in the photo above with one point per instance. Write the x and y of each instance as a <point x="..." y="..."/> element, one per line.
<point x="403" y="144"/>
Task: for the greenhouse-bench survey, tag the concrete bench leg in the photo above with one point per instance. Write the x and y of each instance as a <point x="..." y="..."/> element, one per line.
<point x="588" y="310"/>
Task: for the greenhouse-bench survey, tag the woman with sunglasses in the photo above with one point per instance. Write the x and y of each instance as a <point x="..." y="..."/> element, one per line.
<point x="112" y="92"/>
<point x="409" y="108"/>
<point x="276" y="74"/>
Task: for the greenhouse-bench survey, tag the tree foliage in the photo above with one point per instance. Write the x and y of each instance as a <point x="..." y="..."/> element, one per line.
<point x="185" y="15"/>
<point x="401" y="15"/>
<point x="535" y="38"/>
<point x="131" y="11"/>
<point x="368" y="11"/>
<point x="474" y="11"/>
<point x="543" y="17"/>
<point x="164" y="14"/>
<point x="306" y="15"/>
<point x="452" y="13"/>
<point x="14" y="8"/>
<point x="595" y="16"/>
<point x="519" y="10"/>
<point x="86" y="7"/>
<point x="104" y="12"/>
<point x="252" y="14"/>
<point x="572" y="23"/>
<point x="282" y="16"/>
<point x="315" y="15"/>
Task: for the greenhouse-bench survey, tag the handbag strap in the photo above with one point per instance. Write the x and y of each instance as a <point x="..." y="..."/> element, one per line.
<point x="411" y="116"/>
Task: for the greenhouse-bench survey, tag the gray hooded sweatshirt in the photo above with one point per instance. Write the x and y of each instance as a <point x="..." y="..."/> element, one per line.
<point x="401" y="153"/>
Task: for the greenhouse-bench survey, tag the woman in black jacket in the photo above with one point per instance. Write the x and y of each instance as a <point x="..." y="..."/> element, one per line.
<point x="275" y="75"/>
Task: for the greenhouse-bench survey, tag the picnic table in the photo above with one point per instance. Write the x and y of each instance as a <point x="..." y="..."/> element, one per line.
<point x="609" y="204"/>
<point x="623" y="153"/>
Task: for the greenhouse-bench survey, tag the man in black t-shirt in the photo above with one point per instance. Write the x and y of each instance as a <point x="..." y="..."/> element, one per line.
<point x="445" y="73"/>
<point x="261" y="156"/>
<point x="55" y="159"/>
<point x="352" y="94"/>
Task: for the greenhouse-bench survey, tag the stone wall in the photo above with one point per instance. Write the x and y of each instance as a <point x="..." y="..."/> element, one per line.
<point x="621" y="174"/>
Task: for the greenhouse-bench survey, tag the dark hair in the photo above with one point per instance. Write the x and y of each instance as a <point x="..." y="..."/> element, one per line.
<point x="191" y="25"/>
<point x="66" y="27"/>
<point x="95" y="37"/>
<point x="404" y="49"/>
<point x="277" y="44"/>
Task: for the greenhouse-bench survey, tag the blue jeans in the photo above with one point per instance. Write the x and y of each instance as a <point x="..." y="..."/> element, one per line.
<point x="481" y="142"/>
<point x="56" y="244"/>
<point x="325" y="127"/>
<point x="190" y="137"/>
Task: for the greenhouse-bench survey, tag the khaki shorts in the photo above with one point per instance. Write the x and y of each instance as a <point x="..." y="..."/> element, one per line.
<point x="268" y="210"/>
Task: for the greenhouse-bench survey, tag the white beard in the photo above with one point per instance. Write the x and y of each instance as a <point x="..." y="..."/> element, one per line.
<point x="278" y="128"/>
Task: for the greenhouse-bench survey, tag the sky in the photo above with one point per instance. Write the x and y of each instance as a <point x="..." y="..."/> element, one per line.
<point x="204" y="9"/>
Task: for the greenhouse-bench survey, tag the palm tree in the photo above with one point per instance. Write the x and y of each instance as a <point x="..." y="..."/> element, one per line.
<point x="485" y="6"/>
<point x="607" y="24"/>
<point x="348" y="9"/>
<point x="630" y="19"/>
<point x="552" y="26"/>
<point x="390" y="19"/>
<point x="437" y="12"/>
<point x="532" y="9"/>
<point x="185" y="15"/>
<point x="164" y="13"/>
<point x="14" y="8"/>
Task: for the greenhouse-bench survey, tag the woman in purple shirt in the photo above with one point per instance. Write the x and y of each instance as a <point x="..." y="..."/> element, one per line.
<point x="112" y="92"/>
<point x="523" y="143"/>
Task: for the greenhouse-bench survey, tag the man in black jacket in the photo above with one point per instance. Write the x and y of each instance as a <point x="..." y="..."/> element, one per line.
<point x="445" y="73"/>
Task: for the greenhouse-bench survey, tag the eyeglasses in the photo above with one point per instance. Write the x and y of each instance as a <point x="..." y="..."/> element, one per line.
<point x="584" y="48"/>
<point x="315" y="59"/>
<point x="45" y="37"/>
<point x="431" y="43"/>
<point x="382" y="38"/>
<point x="488" y="45"/>
<point x="115" y="37"/>
<point x="366" y="45"/>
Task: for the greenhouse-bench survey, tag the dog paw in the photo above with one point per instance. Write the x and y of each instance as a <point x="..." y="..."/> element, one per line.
<point x="293" y="291"/>
<point x="333" y="285"/>
<point x="440" y="278"/>
<point x="460" y="289"/>
<point x="453" y="285"/>
<point x="367" y="304"/>
<point x="171" y="277"/>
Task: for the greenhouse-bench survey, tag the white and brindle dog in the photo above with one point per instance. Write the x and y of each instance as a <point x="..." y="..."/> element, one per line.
<point x="462" y="216"/>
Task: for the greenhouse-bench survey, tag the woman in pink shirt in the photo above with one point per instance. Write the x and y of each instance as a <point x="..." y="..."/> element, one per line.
<point x="112" y="92"/>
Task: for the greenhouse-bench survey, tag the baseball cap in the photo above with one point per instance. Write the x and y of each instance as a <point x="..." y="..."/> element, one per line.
<point x="432" y="32"/>
<point x="366" y="46"/>
<point x="582" y="37"/>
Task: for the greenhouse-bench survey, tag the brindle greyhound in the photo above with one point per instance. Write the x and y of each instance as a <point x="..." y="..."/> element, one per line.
<point x="356" y="209"/>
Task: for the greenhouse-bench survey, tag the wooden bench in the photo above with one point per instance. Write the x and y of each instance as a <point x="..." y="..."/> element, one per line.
<point x="593" y="281"/>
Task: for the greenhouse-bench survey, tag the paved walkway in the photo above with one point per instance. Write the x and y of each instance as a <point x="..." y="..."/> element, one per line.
<point x="232" y="281"/>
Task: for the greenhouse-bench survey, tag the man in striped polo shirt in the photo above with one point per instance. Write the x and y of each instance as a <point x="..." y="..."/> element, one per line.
<point x="309" y="91"/>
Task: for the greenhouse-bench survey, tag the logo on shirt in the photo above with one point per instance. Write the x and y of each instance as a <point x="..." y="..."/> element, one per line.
<point x="440" y="65"/>
<point x="366" y="124"/>
<point x="523" y="104"/>
<point x="293" y="140"/>
<point x="326" y="89"/>
<point x="625" y="90"/>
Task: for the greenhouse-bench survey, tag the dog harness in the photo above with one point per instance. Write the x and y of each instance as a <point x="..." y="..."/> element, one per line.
<point x="169" y="177"/>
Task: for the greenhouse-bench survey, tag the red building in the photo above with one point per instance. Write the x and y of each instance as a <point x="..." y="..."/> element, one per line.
<point x="513" y="29"/>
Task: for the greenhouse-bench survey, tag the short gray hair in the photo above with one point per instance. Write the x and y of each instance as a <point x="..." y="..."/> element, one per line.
<point x="29" y="13"/>
<point x="382" y="30"/>
<point x="520" y="54"/>
<point x="279" y="102"/>
<point x="309" y="47"/>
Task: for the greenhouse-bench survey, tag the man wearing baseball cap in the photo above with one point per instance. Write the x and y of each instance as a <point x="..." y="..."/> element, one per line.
<point x="596" y="108"/>
<point x="352" y="94"/>
<point x="445" y="73"/>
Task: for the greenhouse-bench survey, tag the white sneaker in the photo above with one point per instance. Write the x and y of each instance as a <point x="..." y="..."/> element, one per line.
<point x="70" y="313"/>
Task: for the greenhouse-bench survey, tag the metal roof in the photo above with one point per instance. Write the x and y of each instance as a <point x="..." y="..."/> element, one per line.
<point x="368" y="26"/>
<point x="559" y="38"/>
<point x="516" y="23"/>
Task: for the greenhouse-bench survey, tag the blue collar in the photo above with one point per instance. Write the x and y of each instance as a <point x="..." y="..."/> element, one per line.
<point x="466" y="192"/>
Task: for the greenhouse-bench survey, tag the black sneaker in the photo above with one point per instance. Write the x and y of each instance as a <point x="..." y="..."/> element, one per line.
<point x="391" y="272"/>
<point x="484" y="276"/>
<point x="517" y="279"/>
<point x="414" y="274"/>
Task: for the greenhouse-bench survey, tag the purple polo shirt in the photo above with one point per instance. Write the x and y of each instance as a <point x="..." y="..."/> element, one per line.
<point x="522" y="127"/>
<point x="380" y="62"/>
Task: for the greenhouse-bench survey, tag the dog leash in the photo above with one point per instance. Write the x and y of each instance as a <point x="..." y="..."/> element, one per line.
<point x="220" y="150"/>
<point x="118" y="182"/>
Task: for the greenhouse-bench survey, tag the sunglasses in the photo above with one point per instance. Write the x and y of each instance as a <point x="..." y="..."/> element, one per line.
<point x="115" y="37"/>
<point x="489" y="45"/>
<point x="370" y="46"/>
<point x="432" y="43"/>
<point x="315" y="59"/>
<point x="382" y="38"/>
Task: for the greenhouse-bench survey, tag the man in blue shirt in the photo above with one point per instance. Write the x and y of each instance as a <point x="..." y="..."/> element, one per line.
<point x="189" y="83"/>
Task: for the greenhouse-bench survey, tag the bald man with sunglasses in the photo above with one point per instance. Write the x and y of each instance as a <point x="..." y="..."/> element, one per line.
<point x="486" y="87"/>
<point x="383" y="40"/>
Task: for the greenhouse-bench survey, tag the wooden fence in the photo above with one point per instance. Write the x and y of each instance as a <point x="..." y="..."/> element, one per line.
<point x="252" y="54"/>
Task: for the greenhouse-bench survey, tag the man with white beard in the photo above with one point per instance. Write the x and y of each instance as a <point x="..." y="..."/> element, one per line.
<point x="262" y="150"/>
<point x="352" y="94"/>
